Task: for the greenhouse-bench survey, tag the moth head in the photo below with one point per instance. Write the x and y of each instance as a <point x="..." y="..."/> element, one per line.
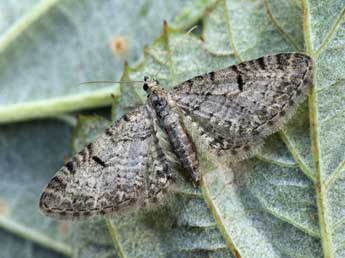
<point x="150" y="85"/>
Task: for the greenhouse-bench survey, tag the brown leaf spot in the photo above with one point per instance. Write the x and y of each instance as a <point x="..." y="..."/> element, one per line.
<point x="63" y="228"/>
<point x="119" y="46"/>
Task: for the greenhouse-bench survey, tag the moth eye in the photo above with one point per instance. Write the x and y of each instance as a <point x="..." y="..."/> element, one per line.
<point x="145" y="87"/>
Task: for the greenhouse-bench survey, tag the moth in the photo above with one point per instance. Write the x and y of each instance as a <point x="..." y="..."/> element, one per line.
<point x="226" y="113"/>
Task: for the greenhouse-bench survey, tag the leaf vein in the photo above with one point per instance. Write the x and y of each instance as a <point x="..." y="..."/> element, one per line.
<point x="293" y="150"/>
<point x="114" y="236"/>
<point x="281" y="30"/>
<point x="335" y="174"/>
<point x="216" y="214"/>
<point x="228" y="28"/>
<point x="331" y="33"/>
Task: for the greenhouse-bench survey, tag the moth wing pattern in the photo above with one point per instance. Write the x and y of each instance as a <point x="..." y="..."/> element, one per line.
<point x="230" y="111"/>
<point x="122" y="168"/>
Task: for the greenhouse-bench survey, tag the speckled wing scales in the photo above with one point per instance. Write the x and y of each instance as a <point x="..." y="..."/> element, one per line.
<point x="124" y="167"/>
<point x="228" y="112"/>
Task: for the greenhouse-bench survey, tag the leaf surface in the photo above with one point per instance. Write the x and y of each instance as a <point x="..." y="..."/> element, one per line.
<point x="48" y="47"/>
<point x="29" y="151"/>
<point x="285" y="202"/>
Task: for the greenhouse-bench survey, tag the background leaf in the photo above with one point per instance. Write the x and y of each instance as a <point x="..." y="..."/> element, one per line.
<point x="52" y="45"/>
<point x="14" y="246"/>
<point x="29" y="150"/>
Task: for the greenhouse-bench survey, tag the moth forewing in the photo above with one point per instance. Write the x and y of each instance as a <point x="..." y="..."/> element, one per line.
<point x="123" y="168"/>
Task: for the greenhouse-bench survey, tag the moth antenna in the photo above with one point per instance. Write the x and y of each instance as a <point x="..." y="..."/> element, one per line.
<point x="109" y="82"/>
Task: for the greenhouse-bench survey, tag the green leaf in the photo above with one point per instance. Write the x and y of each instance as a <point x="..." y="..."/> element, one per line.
<point x="87" y="129"/>
<point x="16" y="247"/>
<point x="30" y="153"/>
<point x="48" y="47"/>
<point x="285" y="202"/>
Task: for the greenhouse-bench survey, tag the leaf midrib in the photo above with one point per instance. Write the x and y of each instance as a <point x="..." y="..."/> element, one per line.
<point x="24" y="22"/>
<point x="315" y="145"/>
<point x="59" y="105"/>
<point x="34" y="235"/>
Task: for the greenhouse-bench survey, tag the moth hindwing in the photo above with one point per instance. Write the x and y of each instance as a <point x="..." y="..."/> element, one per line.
<point x="226" y="113"/>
